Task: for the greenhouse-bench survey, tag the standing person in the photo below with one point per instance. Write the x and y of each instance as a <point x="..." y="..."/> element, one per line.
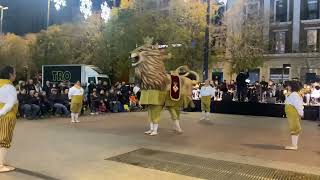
<point x="76" y="97"/>
<point x="294" y="112"/>
<point x="242" y="86"/>
<point x="206" y="94"/>
<point x="8" y="112"/>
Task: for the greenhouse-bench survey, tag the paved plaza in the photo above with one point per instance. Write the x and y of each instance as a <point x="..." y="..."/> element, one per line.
<point x="55" y="149"/>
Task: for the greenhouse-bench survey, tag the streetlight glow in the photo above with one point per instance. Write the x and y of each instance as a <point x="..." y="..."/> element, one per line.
<point x="105" y="12"/>
<point x="86" y="8"/>
<point x="58" y="4"/>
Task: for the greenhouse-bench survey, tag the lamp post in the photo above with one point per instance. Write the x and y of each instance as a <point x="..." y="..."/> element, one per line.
<point x="206" y="45"/>
<point x="1" y="23"/>
<point x="48" y="15"/>
<point x="285" y="66"/>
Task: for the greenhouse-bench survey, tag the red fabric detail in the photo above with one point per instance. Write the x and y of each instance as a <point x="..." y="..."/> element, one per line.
<point x="175" y="87"/>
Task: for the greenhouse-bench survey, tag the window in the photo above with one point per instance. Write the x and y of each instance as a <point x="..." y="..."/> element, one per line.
<point x="276" y="74"/>
<point x="312" y="40"/>
<point x="280" y="44"/>
<point x="93" y="79"/>
<point x="313" y="9"/>
<point x="281" y="10"/>
<point x="252" y="9"/>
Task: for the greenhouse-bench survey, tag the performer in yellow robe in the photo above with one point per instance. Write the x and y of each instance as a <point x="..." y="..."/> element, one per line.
<point x="76" y="96"/>
<point x="8" y="111"/>
<point x="294" y="112"/>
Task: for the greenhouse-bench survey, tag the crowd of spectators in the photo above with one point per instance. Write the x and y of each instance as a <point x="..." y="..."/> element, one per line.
<point x="263" y="92"/>
<point x="36" y="101"/>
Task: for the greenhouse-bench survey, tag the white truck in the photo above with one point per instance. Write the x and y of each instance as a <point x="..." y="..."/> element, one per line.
<point x="73" y="73"/>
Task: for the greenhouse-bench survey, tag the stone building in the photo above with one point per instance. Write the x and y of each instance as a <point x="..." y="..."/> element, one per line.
<point x="291" y="29"/>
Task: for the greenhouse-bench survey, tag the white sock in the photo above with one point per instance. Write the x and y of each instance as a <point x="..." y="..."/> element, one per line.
<point x="177" y="125"/>
<point x="203" y="115"/>
<point x="295" y="139"/>
<point x="3" y="154"/>
<point x="72" y="117"/>
<point x="155" y="128"/>
<point x="77" y="117"/>
<point x="151" y="126"/>
<point x="207" y="115"/>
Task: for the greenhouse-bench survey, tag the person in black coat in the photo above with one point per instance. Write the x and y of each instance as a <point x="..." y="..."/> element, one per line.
<point x="47" y="88"/>
<point x="23" y="99"/>
<point x="45" y="104"/>
<point x="242" y="86"/>
<point x="57" y="102"/>
<point x="34" y="102"/>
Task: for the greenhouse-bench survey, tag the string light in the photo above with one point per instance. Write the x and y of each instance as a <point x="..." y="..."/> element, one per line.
<point x="86" y="8"/>
<point x="58" y="4"/>
<point x="105" y="12"/>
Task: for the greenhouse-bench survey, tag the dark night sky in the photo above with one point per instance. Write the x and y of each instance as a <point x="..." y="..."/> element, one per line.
<point x="24" y="16"/>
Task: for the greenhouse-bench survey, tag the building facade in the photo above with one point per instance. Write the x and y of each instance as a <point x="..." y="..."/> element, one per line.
<point x="30" y="16"/>
<point x="291" y="30"/>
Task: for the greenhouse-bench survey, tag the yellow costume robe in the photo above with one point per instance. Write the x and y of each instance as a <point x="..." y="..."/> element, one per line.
<point x="8" y="120"/>
<point x="294" y="111"/>
<point x="76" y="96"/>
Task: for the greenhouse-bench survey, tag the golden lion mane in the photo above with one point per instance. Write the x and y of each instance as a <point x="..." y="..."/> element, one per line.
<point x="151" y="69"/>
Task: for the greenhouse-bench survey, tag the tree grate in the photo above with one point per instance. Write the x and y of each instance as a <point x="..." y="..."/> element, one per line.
<point x="205" y="168"/>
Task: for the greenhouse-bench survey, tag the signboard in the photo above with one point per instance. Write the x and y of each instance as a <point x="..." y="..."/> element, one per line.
<point x="59" y="74"/>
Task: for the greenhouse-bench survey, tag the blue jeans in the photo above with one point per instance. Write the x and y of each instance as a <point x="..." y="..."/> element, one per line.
<point x="32" y="110"/>
<point x="61" y="109"/>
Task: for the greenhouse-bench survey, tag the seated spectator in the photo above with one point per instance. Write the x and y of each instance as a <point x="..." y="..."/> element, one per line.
<point x="31" y="108"/>
<point x="47" y="88"/>
<point x="65" y="98"/>
<point x="114" y="103"/>
<point x="57" y="102"/>
<point x="45" y="104"/>
<point x="133" y="101"/>
<point x="30" y="86"/>
<point x="102" y="102"/>
<point x="24" y="107"/>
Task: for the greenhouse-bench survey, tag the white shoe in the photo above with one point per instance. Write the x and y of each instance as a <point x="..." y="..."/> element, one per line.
<point x="294" y="148"/>
<point x="6" y="169"/>
<point x="153" y="133"/>
<point x="148" y="132"/>
<point x="92" y="114"/>
<point x="177" y="127"/>
<point x="203" y="118"/>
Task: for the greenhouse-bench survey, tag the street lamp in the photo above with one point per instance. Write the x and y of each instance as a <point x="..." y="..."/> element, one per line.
<point x="206" y="45"/>
<point x="58" y="4"/>
<point x="285" y="66"/>
<point x="2" y="9"/>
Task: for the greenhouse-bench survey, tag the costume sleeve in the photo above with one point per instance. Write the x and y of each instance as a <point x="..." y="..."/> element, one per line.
<point x="9" y="100"/>
<point x="298" y="104"/>
<point x="70" y="93"/>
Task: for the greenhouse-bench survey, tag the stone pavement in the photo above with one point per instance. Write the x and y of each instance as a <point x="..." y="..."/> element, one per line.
<point x="56" y="149"/>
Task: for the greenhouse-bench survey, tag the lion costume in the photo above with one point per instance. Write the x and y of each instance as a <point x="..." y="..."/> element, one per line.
<point x="159" y="89"/>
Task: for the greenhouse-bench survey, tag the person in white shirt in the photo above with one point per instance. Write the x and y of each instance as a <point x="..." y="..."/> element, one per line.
<point x="76" y="96"/>
<point x="8" y="113"/>
<point x="196" y="93"/>
<point x="206" y="94"/>
<point x="294" y="112"/>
